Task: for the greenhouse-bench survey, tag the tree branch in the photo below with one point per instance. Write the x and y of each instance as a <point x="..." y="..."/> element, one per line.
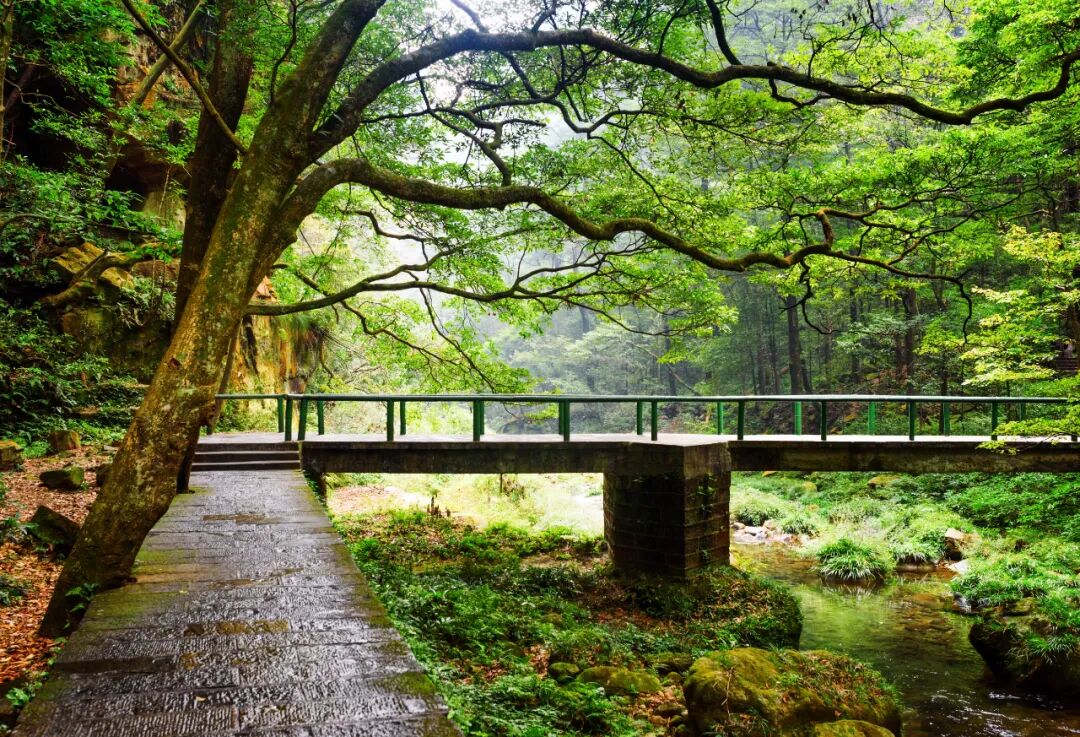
<point x="187" y="72"/>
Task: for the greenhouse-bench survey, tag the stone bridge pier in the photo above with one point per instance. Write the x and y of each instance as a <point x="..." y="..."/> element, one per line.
<point x="673" y="523"/>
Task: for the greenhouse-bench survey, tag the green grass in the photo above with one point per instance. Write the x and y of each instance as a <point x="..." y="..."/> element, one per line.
<point x="848" y="560"/>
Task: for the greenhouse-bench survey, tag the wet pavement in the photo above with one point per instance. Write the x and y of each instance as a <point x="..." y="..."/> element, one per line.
<point x="247" y="617"/>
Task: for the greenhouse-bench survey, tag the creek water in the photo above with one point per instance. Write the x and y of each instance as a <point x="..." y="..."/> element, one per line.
<point x="908" y="630"/>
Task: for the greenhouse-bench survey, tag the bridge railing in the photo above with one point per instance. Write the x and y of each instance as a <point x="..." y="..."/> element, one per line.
<point x="645" y="406"/>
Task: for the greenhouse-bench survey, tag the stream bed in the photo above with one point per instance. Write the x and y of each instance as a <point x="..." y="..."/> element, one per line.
<point x="908" y="630"/>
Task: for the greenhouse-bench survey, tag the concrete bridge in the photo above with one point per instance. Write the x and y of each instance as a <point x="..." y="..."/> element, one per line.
<point x="666" y="496"/>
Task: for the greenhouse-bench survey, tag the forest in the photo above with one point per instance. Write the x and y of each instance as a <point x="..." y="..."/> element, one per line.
<point x="673" y="198"/>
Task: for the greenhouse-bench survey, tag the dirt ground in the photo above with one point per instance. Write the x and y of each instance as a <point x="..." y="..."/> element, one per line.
<point x="27" y="564"/>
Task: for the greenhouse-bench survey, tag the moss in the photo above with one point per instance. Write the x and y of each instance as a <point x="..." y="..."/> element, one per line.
<point x="621" y="681"/>
<point x="749" y="691"/>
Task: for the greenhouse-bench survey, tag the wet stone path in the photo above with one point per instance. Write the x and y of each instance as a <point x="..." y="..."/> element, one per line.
<point x="247" y="617"/>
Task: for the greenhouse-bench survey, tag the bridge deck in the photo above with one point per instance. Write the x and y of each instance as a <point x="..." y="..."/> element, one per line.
<point x="247" y="617"/>
<point x="632" y="453"/>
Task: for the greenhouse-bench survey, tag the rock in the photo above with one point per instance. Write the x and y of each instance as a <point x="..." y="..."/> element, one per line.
<point x="784" y="692"/>
<point x="670" y="709"/>
<point x="736" y="525"/>
<point x="771" y="525"/>
<point x="621" y="681"/>
<point x="956" y="541"/>
<point x="1002" y="643"/>
<point x="10" y="455"/>
<point x="665" y="663"/>
<point x="101" y="474"/>
<point x="563" y="672"/>
<point x="61" y="440"/>
<point x="74" y="261"/>
<point x="673" y="679"/>
<point x="67" y="478"/>
<point x="159" y="271"/>
<point x="54" y="529"/>
<point x="960" y="567"/>
<point x="883" y="481"/>
<point x="850" y="728"/>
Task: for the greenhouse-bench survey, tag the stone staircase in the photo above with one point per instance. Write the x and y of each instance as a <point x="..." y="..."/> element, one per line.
<point x="214" y="456"/>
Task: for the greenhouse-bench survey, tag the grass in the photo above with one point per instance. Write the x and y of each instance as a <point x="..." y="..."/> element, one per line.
<point x="848" y="560"/>
<point x="487" y="610"/>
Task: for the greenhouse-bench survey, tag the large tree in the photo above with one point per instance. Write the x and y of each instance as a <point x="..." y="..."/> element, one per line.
<point x="611" y="120"/>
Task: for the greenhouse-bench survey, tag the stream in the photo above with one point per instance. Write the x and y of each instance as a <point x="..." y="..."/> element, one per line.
<point x="908" y="631"/>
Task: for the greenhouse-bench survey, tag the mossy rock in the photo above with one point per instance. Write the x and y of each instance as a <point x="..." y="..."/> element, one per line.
<point x="621" y="681"/>
<point x="850" y="728"/>
<point x="61" y="440"/>
<point x="563" y="672"/>
<point x="1003" y="644"/>
<point x="10" y="455"/>
<point x="665" y="663"/>
<point x="884" y="481"/>
<point x="749" y="691"/>
<point x="54" y="529"/>
<point x="68" y="478"/>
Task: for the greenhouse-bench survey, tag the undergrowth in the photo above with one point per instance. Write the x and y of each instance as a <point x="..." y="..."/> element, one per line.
<point x="487" y="610"/>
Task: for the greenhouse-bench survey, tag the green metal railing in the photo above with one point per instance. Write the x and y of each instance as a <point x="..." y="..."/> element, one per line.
<point x="396" y="413"/>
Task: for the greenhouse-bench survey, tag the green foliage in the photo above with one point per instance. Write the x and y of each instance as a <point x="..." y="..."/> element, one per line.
<point x="477" y="606"/>
<point x="44" y="378"/>
<point x="755" y="507"/>
<point x="849" y="560"/>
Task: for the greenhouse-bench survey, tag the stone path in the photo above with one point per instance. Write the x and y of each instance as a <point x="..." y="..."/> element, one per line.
<point x="247" y="617"/>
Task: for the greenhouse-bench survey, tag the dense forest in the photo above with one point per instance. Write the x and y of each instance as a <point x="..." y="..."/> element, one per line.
<point x="651" y="197"/>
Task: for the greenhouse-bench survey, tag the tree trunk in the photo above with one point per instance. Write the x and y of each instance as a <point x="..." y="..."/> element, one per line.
<point x="144" y="473"/>
<point x="214" y="157"/>
<point x="796" y="370"/>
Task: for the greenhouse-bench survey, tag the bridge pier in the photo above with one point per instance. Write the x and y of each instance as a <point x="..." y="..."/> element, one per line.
<point x="670" y="524"/>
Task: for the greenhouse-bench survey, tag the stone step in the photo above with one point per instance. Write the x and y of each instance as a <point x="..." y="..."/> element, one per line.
<point x="245" y="455"/>
<point x="262" y="465"/>
<point x="211" y="446"/>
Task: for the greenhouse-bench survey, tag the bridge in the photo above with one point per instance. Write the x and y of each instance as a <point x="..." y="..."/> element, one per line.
<point x="245" y="615"/>
<point x="666" y="495"/>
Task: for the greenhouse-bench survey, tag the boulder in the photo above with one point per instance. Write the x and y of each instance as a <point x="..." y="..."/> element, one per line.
<point x="54" y="529"/>
<point x="783" y="692"/>
<point x="1001" y="639"/>
<point x="850" y="728"/>
<point x="157" y="270"/>
<point x="563" y="672"/>
<point x="61" y="440"/>
<point x="621" y="681"/>
<point x="960" y="567"/>
<point x="665" y="663"/>
<point x="101" y="474"/>
<point x="68" y="478"/>
<point x="10" y="455"/>
<point x="956" y="541"/>
<point x="74" y="261"/>
<point x="883" y="481"/>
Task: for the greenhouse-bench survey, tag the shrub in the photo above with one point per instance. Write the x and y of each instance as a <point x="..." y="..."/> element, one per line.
<point x="856" y="510"/>
<point x="800" y="522"/>
<point x="752" y="507"/>
<point x="847" y="560"/>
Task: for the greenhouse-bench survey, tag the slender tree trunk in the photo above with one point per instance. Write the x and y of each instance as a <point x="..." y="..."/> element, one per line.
<point x="7" y="36"/>
<point x="796" y="370"/>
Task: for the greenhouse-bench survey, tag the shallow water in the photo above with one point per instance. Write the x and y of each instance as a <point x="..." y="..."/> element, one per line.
<point x="908" y="631"/>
